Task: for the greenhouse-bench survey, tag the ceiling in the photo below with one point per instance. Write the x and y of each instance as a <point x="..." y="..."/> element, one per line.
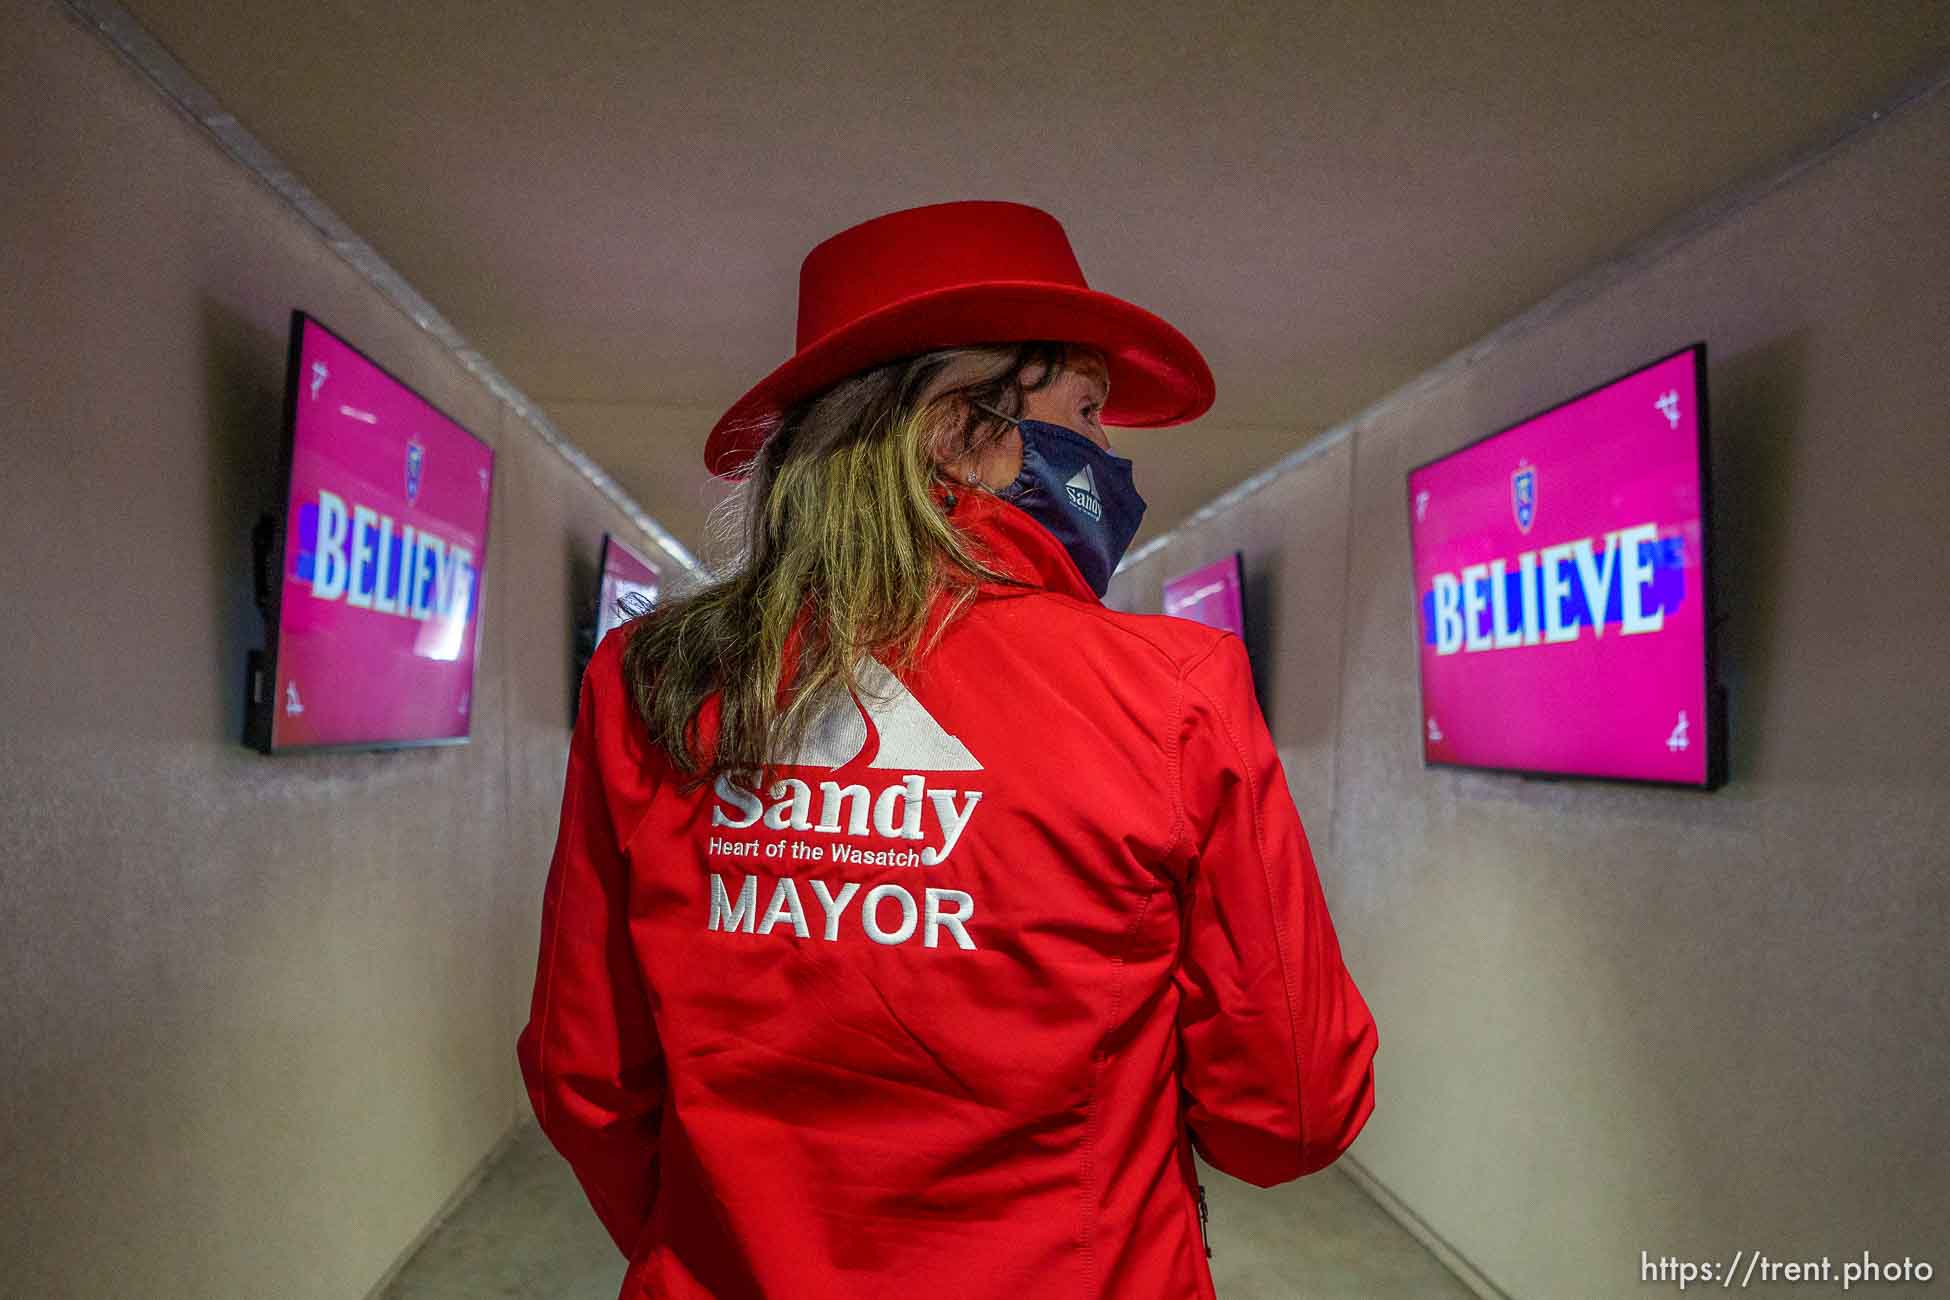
<point x="611" y="200"/>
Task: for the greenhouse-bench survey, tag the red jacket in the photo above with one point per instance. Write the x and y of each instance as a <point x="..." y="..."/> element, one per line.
<point x="949" y="1019"/>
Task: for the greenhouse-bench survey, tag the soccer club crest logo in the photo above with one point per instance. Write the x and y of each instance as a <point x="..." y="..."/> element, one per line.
<point x="1523" y="495"/>
<point x="416" y="457"/>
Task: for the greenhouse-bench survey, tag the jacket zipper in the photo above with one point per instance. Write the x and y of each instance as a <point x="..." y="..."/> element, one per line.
<point x="1203" y="1215"/>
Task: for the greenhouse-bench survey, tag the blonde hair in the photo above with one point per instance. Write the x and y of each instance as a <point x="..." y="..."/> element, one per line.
<point x="843" y="539"/>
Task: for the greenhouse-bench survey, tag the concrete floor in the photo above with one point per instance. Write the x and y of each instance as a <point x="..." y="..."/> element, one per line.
<point x="527" y="1234"/>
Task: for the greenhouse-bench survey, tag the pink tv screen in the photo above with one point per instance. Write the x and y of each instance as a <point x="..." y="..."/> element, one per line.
<point x="1561" y="570"/>
<point x="629" y="585"/>
<point x="1210" y="595"/>
<point x="376" y="605"/>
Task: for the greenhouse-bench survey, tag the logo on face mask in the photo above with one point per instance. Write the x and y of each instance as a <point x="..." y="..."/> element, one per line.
<point x="1042" y="489"/>
<point x="1082" y="488"/>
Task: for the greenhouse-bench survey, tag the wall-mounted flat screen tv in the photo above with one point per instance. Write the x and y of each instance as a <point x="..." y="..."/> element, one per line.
<point x="628" y="586"/>
<point x="371" y="580"/>
<point x="1212" y="594"/>
<point x="1561" y="581"/>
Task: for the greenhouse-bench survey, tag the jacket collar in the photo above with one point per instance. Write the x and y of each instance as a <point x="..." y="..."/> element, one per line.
<point x="1006" y="538"/>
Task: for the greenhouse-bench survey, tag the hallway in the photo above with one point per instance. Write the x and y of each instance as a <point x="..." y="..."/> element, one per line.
<point x="1614" y="728"/>
<point x="525" y="1233"/>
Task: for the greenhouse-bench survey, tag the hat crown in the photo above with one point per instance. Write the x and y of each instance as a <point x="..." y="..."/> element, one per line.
<point x="951" y="275"/>
<point x="901" y="255"/>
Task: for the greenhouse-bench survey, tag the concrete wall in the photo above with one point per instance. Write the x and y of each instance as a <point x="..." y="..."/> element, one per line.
<point x="1620" y="1019"/>
<point x="259" y="1013"/>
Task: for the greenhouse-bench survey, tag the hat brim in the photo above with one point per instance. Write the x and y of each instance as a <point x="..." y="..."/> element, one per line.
<point x="1157" y="378"/>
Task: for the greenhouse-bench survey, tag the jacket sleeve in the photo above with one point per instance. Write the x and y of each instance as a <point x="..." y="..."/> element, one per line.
<point x="1276" y="1043"/>
<point x="589" y="1053"/>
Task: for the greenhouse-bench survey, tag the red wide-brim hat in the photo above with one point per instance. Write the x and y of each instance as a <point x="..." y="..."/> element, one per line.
<point x="953" y="275"/>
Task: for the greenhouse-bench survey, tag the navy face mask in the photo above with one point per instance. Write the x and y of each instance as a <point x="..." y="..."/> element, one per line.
<point x="1081" y="493"/>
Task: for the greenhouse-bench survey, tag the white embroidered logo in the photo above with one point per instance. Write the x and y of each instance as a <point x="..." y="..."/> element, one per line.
<point x="903" y="823"/>
<point x="925" y="823"/>
<point x="910" y="738"/>
<point x="1083" y="493"/>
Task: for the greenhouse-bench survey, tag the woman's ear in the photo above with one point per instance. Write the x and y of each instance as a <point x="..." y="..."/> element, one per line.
<point x="957" y="428"/>
<point x="947" y="420"/>
<point x="962" y="469"/>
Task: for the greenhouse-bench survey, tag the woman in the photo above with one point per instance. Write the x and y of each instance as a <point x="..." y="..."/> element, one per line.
<point x="914" y="917"/>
